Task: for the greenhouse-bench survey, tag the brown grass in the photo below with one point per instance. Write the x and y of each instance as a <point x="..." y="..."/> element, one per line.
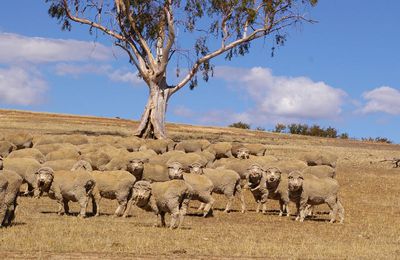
<point x="369" y="191"/>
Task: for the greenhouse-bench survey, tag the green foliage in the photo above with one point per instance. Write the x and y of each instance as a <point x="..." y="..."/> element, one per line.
<point x="314" y="130"/>
<point x="344" y="136"/>
<point x="377" y="140"/>
<point x="240" y="125"/>
<point x="279" y="128"/>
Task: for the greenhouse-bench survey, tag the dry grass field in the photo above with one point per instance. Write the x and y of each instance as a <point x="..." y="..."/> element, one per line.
<point x="369" y="192"/>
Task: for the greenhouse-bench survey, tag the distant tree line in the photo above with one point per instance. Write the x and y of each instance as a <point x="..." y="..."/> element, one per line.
<point x="313" y="130"/>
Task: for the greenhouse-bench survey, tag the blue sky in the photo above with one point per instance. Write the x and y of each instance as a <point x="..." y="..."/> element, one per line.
<point x="343" y="71"/>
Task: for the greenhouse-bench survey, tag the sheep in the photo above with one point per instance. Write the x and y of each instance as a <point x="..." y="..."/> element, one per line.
<point x="24" y="167"/>
<point x="10" y="183"/>
<point x="187" y="159"/>
<point x="163" y="197"/>
<point x="163" y="158"/>
<point x="207" y="156"/>
<point x="102" y="156"/>
<point x="320" y="158"/>
<point x="221" y="150"/>
<point x="58" y="165"/>
<point x="131" y="144"/>
<point x="63" y="153"/>
<point x="159" y="146"/>
<point x="314" y="191"/>
<point x="47" y="139"/>
<point x="20" y="140"/>
<point x="240" y="166"/>
<point x="149" y="171"/>
<point x="124" y="162"/>
<point x="65" y="186"/>
<point x="276" y="185"/>
<point x="320" y="171"/>
<point x="256" y="149"/>
<point x="224" y="181"/>
<point x="112" y="185"/>
<point x="6" y="148"/>
<point x="82" y="165"/>
<point x="268" y="184"/>
<point x="201" y="185"/>
<point x="191" y="146"/>
<point x="47" y="148"/>
<point x="105" y="139"/>
<point x="286" y="165"/>
<point x="75" y="139"/>
<point x="28" y="153"/>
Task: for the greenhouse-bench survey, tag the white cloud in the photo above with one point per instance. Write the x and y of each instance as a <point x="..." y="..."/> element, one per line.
<point x="16" y="48"/>
<point x="183" y="111"/>
<point x="125" y="76"/>
<point x="21" y="87"/>
<point x="383" y="99"/>
<point x="283" y="98"/>
<point x="119" y="75"/>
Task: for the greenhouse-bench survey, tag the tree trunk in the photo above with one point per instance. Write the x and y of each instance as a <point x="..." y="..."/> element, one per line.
<point x="152" y="123"/>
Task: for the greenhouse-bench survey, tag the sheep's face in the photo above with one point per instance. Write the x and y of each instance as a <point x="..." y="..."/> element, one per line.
<point x="141" y="192"/>
<point x="44" y="178"/>
<point x="82" y="165"/>
<point x="273" y="175"/>
<point x="295" y="181"/>
<point x="175" y="171"/>
<point x="254" y="175"/>
<point x="196" y="168"/>
<point x="243" y="153"/>
<point x="135" y="165"/>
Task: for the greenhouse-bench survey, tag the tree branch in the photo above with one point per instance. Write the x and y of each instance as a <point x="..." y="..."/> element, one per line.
<point x="124" y="6"/>
<point x="91" y="23"/>
<point x="254" y="35"/>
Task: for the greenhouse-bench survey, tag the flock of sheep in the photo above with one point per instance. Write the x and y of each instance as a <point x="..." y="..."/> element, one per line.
<point x="161" y="176"/>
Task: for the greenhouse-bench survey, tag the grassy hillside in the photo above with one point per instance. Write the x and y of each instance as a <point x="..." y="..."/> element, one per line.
<point x="369" y="192"/>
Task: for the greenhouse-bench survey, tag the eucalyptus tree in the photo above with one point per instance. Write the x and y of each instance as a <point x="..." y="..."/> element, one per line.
<point x="147" y="30"/>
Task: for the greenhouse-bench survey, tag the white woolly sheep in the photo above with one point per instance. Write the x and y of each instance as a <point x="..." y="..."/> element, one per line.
<point x="10" y="183"/>
<point x="163" y="197"/>
<point x="28" y="153"/>
<point x="65" y="186"/>
<point x="224" y="181"/>
<point x="201" y="185"/>
<point x="314" y="191"/>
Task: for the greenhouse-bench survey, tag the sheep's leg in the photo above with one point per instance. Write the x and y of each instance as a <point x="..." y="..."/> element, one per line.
<point x="121" y="208"/>
<point x="128" y="208"/>
<point x="309" y="210"/>
<point x="96" y="205"/>
<point x="162" y="219"/>
<point x="83" y="202"/>
<point x="281" y="208"/>
<point x="258" y="207"/>
<point x="229" y="203"/>
<point x="175" y="217"/>
<point x="297" y="211"/>
<point x="287" y="210"/>
<point x="210" y="201"/>
<point x="60" y="202"/>
<point x="3" y="212"/>
<point x="264" y="208"/>
<point x="334" y="209"/>
<point x="66" y="207"/>
<point x="201" y="207"/>
<point x="239" y="192"/>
